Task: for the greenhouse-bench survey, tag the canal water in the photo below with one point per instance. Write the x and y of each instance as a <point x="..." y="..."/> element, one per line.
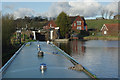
<point x="99" y="56"/>
<point x="27" y="64"/>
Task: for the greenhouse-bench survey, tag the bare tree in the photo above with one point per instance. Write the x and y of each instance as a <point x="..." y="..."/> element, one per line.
<point x="106" y="14"/>
<point x="102" y="13"/>
<point x="110" y="14"/>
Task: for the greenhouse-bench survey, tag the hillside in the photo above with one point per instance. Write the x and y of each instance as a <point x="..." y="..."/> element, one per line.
<point x="97" y="24"/>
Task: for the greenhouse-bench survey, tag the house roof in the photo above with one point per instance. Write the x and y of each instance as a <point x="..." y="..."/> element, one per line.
<point x="53" y="23"/>
<point x="73" y="18"/>
<point x="111" y="27"/>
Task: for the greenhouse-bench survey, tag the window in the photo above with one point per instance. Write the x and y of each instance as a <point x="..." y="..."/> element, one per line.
<point x="74" y="24"/>
<point x="105" y="32"/>
<point x="79" y="28"/>
<point x="78" y="22"/>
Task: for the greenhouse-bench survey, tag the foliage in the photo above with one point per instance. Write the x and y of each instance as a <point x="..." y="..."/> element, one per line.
<point x="64" y="24"/>
<point x="83" y="33"/>
<point x="8" y="28"/>
<point x="35" y="22"/>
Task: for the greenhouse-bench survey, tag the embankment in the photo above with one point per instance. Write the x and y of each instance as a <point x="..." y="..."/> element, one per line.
<point x="101" y="38"/>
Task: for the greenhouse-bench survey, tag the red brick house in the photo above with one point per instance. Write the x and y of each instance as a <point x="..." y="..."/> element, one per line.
<point x="110" y="29"/>
<point x="78" y="23"/>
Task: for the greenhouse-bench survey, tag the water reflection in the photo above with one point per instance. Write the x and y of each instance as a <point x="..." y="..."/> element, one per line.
<point x="77" y="47"/>
<point x="99" y="56"/>
<point x="74" y="47"/>
<point x="64" y="46"/>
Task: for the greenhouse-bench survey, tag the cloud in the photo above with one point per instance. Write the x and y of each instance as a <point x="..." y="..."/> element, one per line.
<point x="10" y="7"/>
<point x="21" y="12"/>
<point x="112" y="7"/>
<point x="74" y="8"/>
<point x="119" y="7"/>
<point x="56" y="8"/>
<point x="86" y="8"/>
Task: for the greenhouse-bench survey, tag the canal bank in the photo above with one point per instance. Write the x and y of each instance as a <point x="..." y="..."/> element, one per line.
<point x="109" y="38"/>
<point x="27" y="64"/>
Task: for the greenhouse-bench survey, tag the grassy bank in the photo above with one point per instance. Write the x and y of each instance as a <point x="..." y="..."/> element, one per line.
<point x="97" y="24"/>
<point x="101" y="38"/>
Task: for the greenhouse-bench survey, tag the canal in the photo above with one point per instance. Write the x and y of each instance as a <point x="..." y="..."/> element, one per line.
<point x="27" y="64"/>
<point x="99" y="56"/>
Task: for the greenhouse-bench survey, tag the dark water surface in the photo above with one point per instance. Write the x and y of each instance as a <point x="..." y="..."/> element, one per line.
<point x="99" y="56"/>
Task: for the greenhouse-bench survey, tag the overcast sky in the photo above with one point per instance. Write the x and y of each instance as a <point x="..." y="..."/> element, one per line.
<point x="87" y="8"/>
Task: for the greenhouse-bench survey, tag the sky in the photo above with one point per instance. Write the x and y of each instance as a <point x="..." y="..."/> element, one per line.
<point x="90" y="9"/>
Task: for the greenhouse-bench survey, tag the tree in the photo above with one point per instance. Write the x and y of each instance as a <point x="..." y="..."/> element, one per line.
<point x="64" y="24"/>
<point x="110" y="14"/>
<point x="103" y="13"/>
<point x="8" y="28"/>
<point x="106" y="14"/>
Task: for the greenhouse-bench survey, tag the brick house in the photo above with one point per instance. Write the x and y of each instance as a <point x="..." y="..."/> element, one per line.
<point x="110" y="29"/>
<point x="78" y="23"/>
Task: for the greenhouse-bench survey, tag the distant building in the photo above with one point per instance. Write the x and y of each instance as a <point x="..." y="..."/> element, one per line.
<point x="110" y="29"/>
<point x="78" y="23"/>
<point x="52" y="29"/>
<point x="100" y="18"/>
<point x="117" y="17"/>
